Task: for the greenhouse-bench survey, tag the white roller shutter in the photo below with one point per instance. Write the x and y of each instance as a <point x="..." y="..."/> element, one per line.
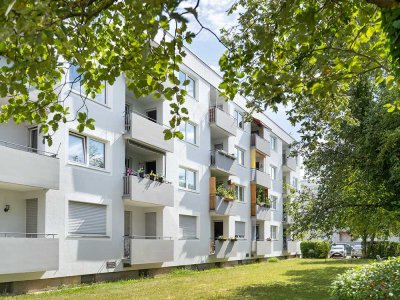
<point x="187" y="227"/>
<point x="240" y="229"/>
<point x="87" y="218"/>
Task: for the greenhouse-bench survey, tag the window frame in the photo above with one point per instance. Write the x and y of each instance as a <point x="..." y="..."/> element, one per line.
<point x="183" y="126"/>
<point x="86" y="155"/>
<point x="273" y="174"/>
<point x="185" y="87"/>
<point x="239" y="188"/>
<point x="186" y="187"/>
<point x="244" y="234"/>
<point x="274" y="233"/>
<point x="273" y="142"/>
<point x="237" y="114"/>
<point x="273" y="202"/>
<point x="81" y="91"/>
<point x="242" y="151"/>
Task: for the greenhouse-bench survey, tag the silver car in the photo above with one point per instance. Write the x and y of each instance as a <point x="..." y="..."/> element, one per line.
<point x="337" y="251"/>
<point x="356" y="252"/>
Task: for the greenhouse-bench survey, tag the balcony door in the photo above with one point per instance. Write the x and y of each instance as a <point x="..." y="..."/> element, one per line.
<point x="127" y="223"/>
<point x="31" y="217"/>
<point x="151" y="166"/>
<point x="151" y="225"/>
<point x="218" y="229"/>
<point x="33" y="139"/>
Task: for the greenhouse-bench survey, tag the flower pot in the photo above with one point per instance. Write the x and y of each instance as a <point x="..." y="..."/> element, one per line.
<point x="229" y="198"/>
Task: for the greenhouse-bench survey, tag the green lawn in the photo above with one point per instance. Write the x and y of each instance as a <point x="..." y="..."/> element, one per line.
<point x="287" y="279"/>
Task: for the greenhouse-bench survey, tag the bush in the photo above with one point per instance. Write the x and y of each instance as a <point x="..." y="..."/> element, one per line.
<point x="272" y="259"/>
<point x="380" y="280"/>
<point x="383" y="249"/>
<point x="318" y="249"/>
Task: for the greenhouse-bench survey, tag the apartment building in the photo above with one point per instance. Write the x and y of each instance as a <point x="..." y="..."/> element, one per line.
<point x="121" y="198"/>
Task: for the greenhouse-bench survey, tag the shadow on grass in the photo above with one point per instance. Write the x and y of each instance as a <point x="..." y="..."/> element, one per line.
<point x="335" y="262"/>
<point x="302" y="285"/>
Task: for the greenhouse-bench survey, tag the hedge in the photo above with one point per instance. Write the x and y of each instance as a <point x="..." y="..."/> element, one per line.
<point x="379" y="280"/>
<point x="383" y="249"/>
<point x="311" y="249"/>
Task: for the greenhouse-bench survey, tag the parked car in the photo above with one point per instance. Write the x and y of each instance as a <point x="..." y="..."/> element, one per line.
<point x="338" y="251"/>
<point x="356" y="252"/>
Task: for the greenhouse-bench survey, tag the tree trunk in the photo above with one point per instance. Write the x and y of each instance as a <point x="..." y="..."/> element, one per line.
<point x="364" y="244"/>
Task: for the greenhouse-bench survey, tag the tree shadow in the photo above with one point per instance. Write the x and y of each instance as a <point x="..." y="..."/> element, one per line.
<point x="301" y="285"/>
<point x="338" y="261"/>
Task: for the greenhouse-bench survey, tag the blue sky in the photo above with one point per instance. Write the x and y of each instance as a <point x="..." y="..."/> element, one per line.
<point x="213" y="15"/>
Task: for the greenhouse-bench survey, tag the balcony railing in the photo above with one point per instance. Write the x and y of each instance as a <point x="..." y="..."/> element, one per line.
<point x="223" y="161"/>
<point x="26" y="149"/>
<point x="148" y="249"/>
<point x="261" y="144"/>
<point x="261" y="178"/>
<point x="28" y="252"/>
<point x="147" y="131"/>
<point x="222" y="120"/>
<point x="288" y="162"/>
<point x="147" y="191"/>
<point x="24" y="167"/>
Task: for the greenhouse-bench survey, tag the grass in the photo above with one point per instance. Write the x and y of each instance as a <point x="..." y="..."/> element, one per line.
<point x="286" y="279"/>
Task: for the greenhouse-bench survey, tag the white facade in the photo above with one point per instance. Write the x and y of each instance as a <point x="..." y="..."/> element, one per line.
<point x="101" y="216"/>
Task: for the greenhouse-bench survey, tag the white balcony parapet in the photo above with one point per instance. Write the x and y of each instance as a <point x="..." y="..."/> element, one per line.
<point x="261" y="144"/>
<point x="288" y="162"/>
<point x="28" y="168"/>
<point x="261" y="178"/>
<point x="223" y="162"/>
<point x="28" y="252"/>
<point x="147" y="192"/>
<point x="148" y="249"/>
<point x="261" y="247"/>
<point x="147" y="131"/>
<point x="222" y="120"/>
<point x="225" y="249"/>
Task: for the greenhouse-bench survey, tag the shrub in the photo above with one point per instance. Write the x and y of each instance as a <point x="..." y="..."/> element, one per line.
<point x="272" y="259"/>
<point x="383" y="249"/>
<point x="317" y="249"/>
<point x="380" y="280"/>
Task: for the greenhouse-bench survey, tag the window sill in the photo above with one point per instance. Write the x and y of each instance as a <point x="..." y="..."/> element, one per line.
<point x="105" y="105"/>
<point x="189" y="143"/>
<point x="72" y="164"/>
<point x="188" y="190"/>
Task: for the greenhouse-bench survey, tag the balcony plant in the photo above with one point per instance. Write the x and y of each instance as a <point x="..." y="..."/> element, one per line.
<point x="227" y="194"/>
<point x="261" y="199"/>
<point x="159" y="178"/>
<point x="221" y="238"/>
<point x="152" y="175"/>
<point x="233" y="239"/>
<point x="140" y="172"/>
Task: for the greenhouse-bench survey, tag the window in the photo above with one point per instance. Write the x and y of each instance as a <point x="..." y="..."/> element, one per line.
<point x="240" y="156"/>
<point x="33" y="139"/>
<point x="240" y="229"/>
<point x="76" y="78"/>
<point x="273" y="143"/>
<point x="187" y="227"/>
<point x="239" y="193"/>
<point x="187" y="179"/>
<point x="272" y="172"/>
<point x="190" y="87"/>
<point x="78" y="152"/>
<point x="87" y="218"/>
<point x="274" y="232"/>
<point x="189" y="132"/>
<point x="295" y="183"/>
<point x="239" y="119"/>
<point x="273" y="200"/>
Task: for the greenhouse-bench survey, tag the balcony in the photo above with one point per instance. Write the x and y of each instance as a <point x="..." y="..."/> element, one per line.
<point x="147" y="132"/>
<point x="261" y="248"/>
<point x="261" y="178"/>
<point x="224" y="249"/>
<point x="24" y="168"/>
<point x="263" y="213"/>
<point x="148" y="250"/>
<point x="23" y="253"/>
<point x="289" y="163"/>
<point x="223" y="162"/>
<point x="146" y="192"/>
<point x="227" y="208"/>
<point x="222" y="124"/>
<point x="261" y="144"/>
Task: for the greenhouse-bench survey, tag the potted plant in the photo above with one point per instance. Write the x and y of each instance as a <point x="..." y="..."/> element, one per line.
<point x="129" y="172"/>
<point x="141" y="172"/>
<point x="261" y="199"/>
<point x="160" y="178"/>
<point x="152" y="175"/>
<point x="268" y="239"/>
<point x="233" y="239"/>
<point x="227" y="194"/>
<point x="221" y="238"/>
